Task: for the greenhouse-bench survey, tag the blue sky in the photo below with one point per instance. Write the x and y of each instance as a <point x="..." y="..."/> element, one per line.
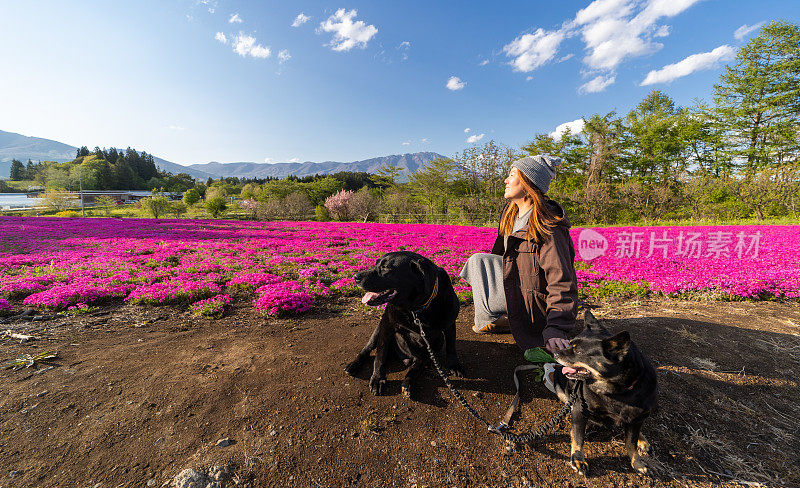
<point x="361" y="79"/>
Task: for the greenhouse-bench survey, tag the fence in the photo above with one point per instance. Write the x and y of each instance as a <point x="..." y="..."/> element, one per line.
<point x="483" y="219"/>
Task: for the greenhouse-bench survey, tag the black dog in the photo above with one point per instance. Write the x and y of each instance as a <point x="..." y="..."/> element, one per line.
<point x="619" y="388"/>
<point x="408" y="282"/>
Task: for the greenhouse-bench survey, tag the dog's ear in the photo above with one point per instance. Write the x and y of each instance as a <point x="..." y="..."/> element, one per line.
<point x="617" y="345"/>
<point x="589" y="321"/>
<point x="423" y="268"/>
<point x="592" y="324"/>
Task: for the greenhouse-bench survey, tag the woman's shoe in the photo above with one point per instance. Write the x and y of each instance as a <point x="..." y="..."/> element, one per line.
<point x="498" y="326"/>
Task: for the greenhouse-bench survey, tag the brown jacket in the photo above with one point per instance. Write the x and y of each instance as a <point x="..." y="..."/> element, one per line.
<point x="540" y="283"/>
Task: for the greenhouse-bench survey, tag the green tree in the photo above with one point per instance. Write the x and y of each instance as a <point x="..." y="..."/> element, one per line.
<point x="652" y="141"/>
<point x="176" y="208"/>
<point x="156" y="205"/>
<point x="569" y="184"/>
<point x="216" y="205"/>
<point x="321" y="214"/>
<point x="191" y="196"/>
<point x="106" y="203"/>
<point x="604" y="138"/>
<point x="433" y="184"/>
<point x="60" y="199"/>
<point x="758" y="99"/>
<point x="386" y="176"/>
<point x="17" y="170"/>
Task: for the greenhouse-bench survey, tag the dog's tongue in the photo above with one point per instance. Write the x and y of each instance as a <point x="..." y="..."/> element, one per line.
<point x="568" y="370"/>
<point x="368" y="296"/>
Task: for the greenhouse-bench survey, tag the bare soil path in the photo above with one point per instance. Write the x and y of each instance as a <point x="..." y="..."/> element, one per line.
<point x="140" y="393"/>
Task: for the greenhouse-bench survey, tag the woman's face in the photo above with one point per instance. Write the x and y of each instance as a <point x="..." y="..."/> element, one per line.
<point x="514" y="188"/>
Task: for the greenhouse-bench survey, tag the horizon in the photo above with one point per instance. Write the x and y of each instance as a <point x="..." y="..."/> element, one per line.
<point x="201" y="81"/>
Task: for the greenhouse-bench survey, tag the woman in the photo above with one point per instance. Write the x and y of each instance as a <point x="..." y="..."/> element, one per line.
<point x="529" y="275"/>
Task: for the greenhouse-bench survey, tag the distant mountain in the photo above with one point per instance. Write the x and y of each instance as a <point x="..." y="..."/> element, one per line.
<point x="408" y="163"/>
<point x="176" y="168"/>
<point x="17" y="146"/>
<point x="23" y="148"/>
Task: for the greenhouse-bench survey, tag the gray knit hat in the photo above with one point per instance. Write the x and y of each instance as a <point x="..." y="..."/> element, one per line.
<point x="540" y="169"/>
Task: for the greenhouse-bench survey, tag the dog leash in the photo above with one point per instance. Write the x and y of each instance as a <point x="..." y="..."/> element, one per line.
<point x="500" y="428"/>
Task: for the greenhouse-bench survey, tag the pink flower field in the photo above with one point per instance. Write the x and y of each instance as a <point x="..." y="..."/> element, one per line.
<point x="284" y="267"/>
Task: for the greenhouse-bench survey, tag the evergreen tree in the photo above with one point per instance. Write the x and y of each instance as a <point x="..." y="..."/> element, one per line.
<point x="758" y="99"/>
<point x="17" y="170"/>
<point x="653" y="143"/>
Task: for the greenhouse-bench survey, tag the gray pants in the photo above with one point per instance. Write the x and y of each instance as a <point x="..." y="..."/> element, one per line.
<point x="484" y="272"/>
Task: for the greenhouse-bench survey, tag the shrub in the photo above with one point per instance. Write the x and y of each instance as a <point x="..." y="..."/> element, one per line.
<point x="216" y="205"/>
<point x="68" y="214"/>
<point x="321" y="214"/>
<point x="155" y="205"/>
<point x="191" y="196"/>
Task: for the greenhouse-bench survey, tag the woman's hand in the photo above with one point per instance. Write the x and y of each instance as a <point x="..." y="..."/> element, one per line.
<point x="556" y="343"/>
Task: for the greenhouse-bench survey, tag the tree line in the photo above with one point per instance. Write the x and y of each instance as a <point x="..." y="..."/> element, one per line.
<point x="101" y="169"/>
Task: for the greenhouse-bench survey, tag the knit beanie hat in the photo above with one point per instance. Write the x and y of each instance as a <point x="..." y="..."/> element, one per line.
<point x="540" y="169"/>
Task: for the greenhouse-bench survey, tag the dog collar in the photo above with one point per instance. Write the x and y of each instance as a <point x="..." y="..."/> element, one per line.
<point x="430" y="298"/>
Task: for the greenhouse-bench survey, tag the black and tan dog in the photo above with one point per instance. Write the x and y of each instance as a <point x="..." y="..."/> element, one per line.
<point x="619" y="388"/>
<point x="408" y="282"/>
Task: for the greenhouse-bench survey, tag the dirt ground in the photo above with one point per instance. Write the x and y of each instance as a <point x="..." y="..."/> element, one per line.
<point x="140" y="393"/>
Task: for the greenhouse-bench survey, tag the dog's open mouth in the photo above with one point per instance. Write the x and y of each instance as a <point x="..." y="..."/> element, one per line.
<point x="374" y="299"/>
<point x="575" y="373"/>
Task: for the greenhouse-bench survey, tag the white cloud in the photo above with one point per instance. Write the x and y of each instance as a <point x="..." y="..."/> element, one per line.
<point x="742" y="31"/>
<point x="575" y="127"/>
<point x="221" y="37"/>
<point x="533" y="50"/>
<point x="268" y="160"/>
<point x="466" y="130"/>
<point x="454" y="83"/>
<point x="474" y="138"/>
<point x="484" y="62"/>
<point x="235" y="19"/>
<point x="662" y="31"/>
<point x="687" y="66"/>
<point x="300" y="19"/>
<point x="612" y="31"/>
<point x="175" y="127"/>
<point x="346" y="33"/>
<point x="528" y="78"/>
<point x="597" y="84"/>
<point x="612" y="35"/>
<point x="406" y="143"/>
<point x="403" y="48"/>
<point x="294" y="160"/>
<point x="424" y="140"/>
<point x="284" y="55"/>
<point x="245" y="45"/>
<point x="566" y="57"/>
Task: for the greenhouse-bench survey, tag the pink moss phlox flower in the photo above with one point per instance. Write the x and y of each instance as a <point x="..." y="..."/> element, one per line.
<point x="254" y="280"/>
<point x="283" y="297"/>
<point x="212" y="307"/>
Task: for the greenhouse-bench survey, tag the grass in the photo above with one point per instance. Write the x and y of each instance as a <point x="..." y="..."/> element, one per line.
<point x="129" y="212"/>
<point x="21" y="185"/>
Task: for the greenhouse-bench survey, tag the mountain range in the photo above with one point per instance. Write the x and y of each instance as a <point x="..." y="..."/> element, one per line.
<point x="17" y="146"/>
